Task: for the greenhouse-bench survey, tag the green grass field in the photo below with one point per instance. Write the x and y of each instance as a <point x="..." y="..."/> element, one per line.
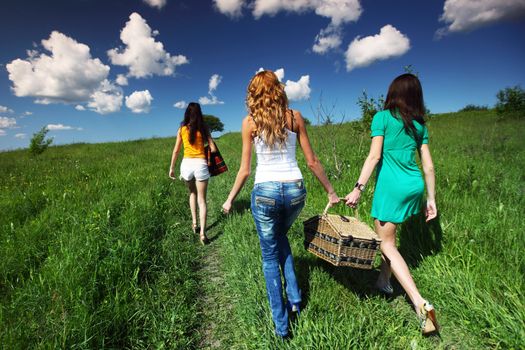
<point x="96" y="250"/>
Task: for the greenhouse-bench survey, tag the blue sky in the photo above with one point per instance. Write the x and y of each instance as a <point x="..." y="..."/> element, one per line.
<point x="95" y="71"/>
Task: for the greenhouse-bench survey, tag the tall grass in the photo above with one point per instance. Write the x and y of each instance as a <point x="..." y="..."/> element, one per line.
<point x="95" y="249"/>
<point x="96" y="252"/>
<point x="469" y="262"/>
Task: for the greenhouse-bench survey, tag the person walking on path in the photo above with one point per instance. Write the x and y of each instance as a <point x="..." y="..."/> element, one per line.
<point x="192" y="133"/>
<point x="278" y="194"/>
<point x="397" y="132"/>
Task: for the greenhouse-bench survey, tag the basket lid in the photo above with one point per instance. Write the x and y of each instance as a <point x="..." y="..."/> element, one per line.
<point x="347" y="226"/>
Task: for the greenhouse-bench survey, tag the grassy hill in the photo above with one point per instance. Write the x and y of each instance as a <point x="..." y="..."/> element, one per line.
<point x="96" y="250"/>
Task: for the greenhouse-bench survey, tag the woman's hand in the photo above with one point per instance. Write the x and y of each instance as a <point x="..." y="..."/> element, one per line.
<point x="227" y="206"/>
<point x="171" y="174"/>
<point x="213" y="147"/>
<point x="431" y="210"/>
<point x="333" y="198"/>
<point x="353" y="198"/>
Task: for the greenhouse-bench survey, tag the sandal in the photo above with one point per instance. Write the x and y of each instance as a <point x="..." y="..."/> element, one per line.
<point x="194" y="227"/>
<point x="427" y="319"/>
<point x="204" y="240"/>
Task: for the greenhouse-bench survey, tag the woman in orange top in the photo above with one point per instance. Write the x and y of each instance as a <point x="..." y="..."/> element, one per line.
<point x="194" y="167"/>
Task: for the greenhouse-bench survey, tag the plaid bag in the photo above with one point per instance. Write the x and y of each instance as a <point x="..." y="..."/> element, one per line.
<point x="216" y="164"/>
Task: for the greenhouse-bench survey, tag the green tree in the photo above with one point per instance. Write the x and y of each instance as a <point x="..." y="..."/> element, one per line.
<point x="213" y="122"/>
<point x="39" y="143"/>
<point x="511" y="102"/>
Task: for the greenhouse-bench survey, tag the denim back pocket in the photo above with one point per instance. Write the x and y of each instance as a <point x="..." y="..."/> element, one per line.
<point x="298" y="200"/>
<point x="264" y="206"/>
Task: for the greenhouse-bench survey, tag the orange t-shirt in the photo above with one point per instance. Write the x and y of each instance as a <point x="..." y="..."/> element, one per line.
<point x="192" y="151"/>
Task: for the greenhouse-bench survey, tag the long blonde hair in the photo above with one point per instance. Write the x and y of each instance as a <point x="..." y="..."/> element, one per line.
<point x="267" y="103"/>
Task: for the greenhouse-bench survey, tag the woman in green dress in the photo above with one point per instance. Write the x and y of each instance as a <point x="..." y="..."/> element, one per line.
<point x="397" y="133"/>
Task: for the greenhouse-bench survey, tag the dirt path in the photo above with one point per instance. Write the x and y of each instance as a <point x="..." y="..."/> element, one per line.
<point x="212" y="306"/>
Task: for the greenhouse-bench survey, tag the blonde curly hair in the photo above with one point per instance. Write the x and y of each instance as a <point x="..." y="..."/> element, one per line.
<point x="267" y="103"/>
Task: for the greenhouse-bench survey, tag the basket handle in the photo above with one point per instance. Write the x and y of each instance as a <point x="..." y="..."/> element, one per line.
<point x="325" y="211"/>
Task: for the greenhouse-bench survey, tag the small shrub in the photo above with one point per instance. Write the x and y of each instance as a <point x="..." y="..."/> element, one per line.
<point x="369" y="107"/>
<point x="472" y="107"/>
<point x="307" y="121"/>
<point x="511" y="102"/>
<point x="38" y="142"/>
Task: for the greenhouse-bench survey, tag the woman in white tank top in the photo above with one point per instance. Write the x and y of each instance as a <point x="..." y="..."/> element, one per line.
<point x="278" y="195"/>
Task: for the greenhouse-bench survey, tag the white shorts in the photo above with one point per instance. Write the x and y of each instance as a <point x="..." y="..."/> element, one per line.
<point x="194" y="168"/>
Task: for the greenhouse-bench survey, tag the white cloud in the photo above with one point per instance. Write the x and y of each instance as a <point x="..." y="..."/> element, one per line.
<point x="6" y="123"/>
<point x="156" y="3"/>
<point x="339" y="11"/>
<point x="295" y="90"/>
<point x="181" y="104"/>
<point x="230" y="8"/>
<point x="2" y="132"/>
<point x="205" y="100"/>
<point x="67" y="75"/>
<point x="280" y="74"/>
<point x="143" y="55"/>
<point x="61" y="127"/>
<point x="121" y="80"/>
<point x="298" y="90"/>
<point x="362" y="52"/>
<point x="4" y="109"/>
<point x="26" y="113"/>
<point x="465" y="15"/>
<point x="80" y="108"/>
<point x="106" y="99"/>
<point x="139" y="101"/>
<point x="214" y="82"/>
<point x="328" y="39"/>
<point x="20" y="136"/>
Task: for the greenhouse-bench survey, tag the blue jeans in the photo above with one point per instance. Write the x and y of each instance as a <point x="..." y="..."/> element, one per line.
<point x="275" y="206"/>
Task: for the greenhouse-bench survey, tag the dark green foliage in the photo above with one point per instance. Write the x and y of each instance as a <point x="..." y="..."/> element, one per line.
<point x="307" y="121"/>
<point x="511" y="102"/>
<point x="369" y="107"/>
<point x="409" y="68"/>
<point x="213" y="122"/>
<point x="472" y="107"/>
<point x="39" y="143"/>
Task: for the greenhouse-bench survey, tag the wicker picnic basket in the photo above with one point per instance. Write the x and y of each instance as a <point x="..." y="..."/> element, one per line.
<point x="341" y="240"/>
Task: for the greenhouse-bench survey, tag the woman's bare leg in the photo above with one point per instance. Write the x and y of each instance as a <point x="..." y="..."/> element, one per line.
<point x="202" y="187"/>
<point x="398" y="266"/>
<point x="193" y="201"/>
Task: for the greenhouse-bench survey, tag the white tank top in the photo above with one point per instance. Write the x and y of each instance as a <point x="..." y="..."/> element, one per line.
<point x="276" y="164"/>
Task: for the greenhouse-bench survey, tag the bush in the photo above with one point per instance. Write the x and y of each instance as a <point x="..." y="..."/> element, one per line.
<point x="38" y="142"/>
<point x="369" y="107"/>
<point x="471" y="107"/>
<point x="511" y="102"/>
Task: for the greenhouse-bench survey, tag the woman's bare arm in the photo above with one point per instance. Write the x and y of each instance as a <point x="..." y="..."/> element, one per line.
<point x="374" y="156"/>
<point x="175" y="154"/>
<point x="245" y="166"/>
<point x="430" y="181"/>
<point x="311" y="159"/>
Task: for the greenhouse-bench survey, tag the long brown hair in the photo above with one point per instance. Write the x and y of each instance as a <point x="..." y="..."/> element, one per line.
<point x="405" y="98"/>
<point x="194" y="120"/>
<point x="267" y="103"/>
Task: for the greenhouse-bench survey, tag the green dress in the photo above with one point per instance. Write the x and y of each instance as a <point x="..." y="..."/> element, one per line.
<point x="399" y="184"/>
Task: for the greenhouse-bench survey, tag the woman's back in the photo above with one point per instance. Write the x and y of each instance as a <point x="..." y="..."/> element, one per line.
<point x="195" y="150"/>
<point x="277" y="163"/>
